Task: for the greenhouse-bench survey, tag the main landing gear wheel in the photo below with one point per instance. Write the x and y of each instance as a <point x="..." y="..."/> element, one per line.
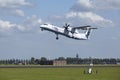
<point x="57" y="37"/>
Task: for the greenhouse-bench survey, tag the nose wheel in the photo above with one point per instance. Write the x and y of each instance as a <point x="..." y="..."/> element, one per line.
<point x="41" y="29"/>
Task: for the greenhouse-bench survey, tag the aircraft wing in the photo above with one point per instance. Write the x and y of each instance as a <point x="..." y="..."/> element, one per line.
<point x="81" y="27"/>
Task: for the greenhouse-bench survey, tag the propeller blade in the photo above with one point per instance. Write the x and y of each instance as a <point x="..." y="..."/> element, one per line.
<point x="66" y="26"/>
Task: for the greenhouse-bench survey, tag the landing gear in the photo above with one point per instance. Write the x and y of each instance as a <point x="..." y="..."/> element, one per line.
<point x="42" y="29"/>
<point x="57" y="37"/>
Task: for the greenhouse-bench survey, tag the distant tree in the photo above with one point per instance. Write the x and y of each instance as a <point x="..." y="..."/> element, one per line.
<point x="61" y="58"/>
<point x="69" y="60"/>
<point x="37" y="61"/>
<point x="96" y="61"/>
<point x="27" y="62"/>
<point x="113" y="61"/>
<point x="118" y="61"/>
<point x="1" y="62"/>
<point x="43" y="59"/>
<point x="32" y="60"/>
<point x="75" y="60"/>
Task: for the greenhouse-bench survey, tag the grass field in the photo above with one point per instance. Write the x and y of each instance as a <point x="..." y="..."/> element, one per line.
<point x="104" y="73"/>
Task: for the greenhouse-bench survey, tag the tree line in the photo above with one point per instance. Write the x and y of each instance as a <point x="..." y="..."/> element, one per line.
<point x="69" y="60"/>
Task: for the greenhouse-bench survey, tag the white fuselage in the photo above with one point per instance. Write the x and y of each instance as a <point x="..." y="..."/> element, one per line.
<point x="62" y="31"/>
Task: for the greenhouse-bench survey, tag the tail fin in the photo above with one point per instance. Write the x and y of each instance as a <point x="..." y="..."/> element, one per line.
<point x="88" y="32"/>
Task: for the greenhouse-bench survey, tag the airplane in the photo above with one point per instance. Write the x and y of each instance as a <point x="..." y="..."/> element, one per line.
<point x="70" y="32"/>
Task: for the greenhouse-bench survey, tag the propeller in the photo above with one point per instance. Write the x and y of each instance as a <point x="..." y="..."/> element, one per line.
<point x="66" y="26"/>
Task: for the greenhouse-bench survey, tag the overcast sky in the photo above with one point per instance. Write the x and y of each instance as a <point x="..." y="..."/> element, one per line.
<point x="20" y="35"/>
